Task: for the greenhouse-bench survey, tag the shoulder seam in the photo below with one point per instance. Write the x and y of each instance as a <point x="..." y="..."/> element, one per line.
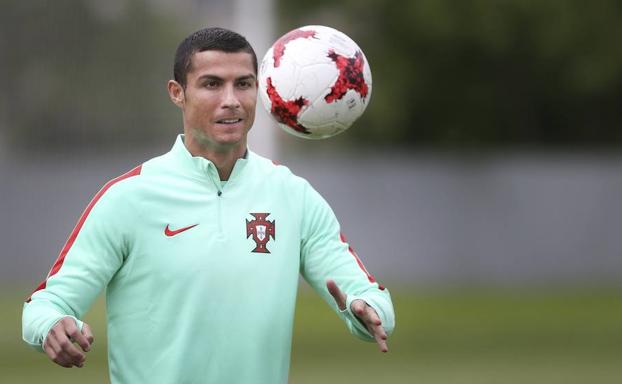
<point x="76" y="230"/>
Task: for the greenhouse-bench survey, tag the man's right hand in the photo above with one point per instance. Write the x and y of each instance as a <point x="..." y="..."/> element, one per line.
<point x="59" y="344"/>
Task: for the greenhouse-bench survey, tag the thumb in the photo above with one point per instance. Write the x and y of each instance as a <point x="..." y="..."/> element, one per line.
<point x="340" y="297"/>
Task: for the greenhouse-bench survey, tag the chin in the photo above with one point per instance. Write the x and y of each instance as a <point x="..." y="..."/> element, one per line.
<point x="227" y="144"/>
<point x="230" y="138"/>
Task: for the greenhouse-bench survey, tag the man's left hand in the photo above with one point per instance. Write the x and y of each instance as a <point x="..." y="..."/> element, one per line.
<point x="364" y="312"/>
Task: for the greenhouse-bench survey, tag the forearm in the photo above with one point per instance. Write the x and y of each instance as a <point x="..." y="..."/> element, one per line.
<point x="327" y="255"/>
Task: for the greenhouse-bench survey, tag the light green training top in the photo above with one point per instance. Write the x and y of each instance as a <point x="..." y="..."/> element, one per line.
<point x="201" y="278"/>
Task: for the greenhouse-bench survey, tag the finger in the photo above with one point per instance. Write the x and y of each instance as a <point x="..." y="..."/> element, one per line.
<point x="77" y="336"/>
<point x="340" y="297"/>
<point x="373" y="316"/>
<point x="86" y="331"/>
<point x="55" y="353"/>
<point x="376" y="329"/>
<point x="75" y="356"/>
<point x="372" y="321"/>
<point x="376" y="324"/>
<point x="358" y="307"/>
<point x="382" y="343"/>
<point x="365" y="313"/>
<point x="66" y="336"/>
<point x="69" y="362"/>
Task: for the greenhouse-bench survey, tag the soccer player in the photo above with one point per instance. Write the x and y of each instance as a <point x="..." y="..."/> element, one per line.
<point x="200" y="249"/>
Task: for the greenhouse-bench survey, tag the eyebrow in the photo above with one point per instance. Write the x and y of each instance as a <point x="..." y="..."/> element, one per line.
<point x="218" y="78"/>
<point x="248" y="77"/>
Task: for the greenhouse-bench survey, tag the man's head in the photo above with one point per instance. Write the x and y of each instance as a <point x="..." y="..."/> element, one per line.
<point x="215" y="86"/>
<point x="208" y="39"/>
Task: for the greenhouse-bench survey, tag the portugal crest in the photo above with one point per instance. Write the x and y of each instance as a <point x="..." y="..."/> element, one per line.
<point x="261" y="229"/>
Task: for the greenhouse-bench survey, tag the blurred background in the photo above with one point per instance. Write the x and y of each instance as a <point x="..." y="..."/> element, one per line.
<point x="482" y="185"/>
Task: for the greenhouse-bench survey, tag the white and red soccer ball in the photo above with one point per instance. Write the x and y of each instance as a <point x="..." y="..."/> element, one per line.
<point x="315" y="82"/>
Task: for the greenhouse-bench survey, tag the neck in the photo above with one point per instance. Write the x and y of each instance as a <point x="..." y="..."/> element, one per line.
<point x="223" y="157"/>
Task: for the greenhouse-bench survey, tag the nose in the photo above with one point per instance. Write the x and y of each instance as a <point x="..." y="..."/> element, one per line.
<point x="230" y="98"/>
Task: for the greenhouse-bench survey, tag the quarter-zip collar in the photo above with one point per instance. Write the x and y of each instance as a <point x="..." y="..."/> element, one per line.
<point x="202" y="168"/>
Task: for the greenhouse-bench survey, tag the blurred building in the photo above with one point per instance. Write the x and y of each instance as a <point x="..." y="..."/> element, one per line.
<point x="433" y="186"/>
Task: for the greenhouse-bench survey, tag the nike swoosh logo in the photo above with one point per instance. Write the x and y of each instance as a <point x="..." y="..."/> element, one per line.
<point x="168" y="232"/>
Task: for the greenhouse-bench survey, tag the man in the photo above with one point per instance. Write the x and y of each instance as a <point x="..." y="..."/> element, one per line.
<point x="200" y="249"/>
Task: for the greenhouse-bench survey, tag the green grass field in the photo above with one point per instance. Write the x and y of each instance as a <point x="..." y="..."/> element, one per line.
<point x="441" y="337"/>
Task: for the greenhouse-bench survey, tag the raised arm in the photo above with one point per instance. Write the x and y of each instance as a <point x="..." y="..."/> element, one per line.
<point x="335" y="271"/>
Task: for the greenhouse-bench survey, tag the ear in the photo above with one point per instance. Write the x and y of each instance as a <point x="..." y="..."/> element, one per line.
<point x="176" y="93"/>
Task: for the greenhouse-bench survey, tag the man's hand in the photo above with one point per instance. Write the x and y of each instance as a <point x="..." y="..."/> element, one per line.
<point x="366" y="314"/>
<point x="59" y="343"/>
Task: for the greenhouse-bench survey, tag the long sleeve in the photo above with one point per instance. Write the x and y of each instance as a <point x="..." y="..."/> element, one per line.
<point x="325" y="254"/>
<point x="93" y="253"/>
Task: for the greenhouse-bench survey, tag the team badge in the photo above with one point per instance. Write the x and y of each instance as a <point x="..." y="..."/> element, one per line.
<point x="261" y="229"/>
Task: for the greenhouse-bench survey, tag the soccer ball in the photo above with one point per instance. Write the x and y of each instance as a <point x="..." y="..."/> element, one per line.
<point x="315" y="82"/>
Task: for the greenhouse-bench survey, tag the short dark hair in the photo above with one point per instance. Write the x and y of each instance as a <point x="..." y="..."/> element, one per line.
<point x="208" y="39"/>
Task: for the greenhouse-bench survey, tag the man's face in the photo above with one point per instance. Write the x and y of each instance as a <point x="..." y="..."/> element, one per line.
<point x="219" y="100"/>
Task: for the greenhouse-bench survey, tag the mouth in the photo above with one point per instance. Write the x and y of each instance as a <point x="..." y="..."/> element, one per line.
<point x="229" y="121"/>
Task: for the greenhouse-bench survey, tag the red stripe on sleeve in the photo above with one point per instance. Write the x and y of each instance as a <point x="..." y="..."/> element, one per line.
<point x="370" y="277"/>
<point x="74" y="234"/>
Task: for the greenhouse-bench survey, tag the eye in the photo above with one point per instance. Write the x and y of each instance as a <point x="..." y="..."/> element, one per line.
<point x="211" y="84"/>
<point x="245" y="84"/>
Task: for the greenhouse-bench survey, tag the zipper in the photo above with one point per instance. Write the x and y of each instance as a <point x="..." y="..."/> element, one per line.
<point x="219" y="204"/>
<point x="213" y="175"/>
